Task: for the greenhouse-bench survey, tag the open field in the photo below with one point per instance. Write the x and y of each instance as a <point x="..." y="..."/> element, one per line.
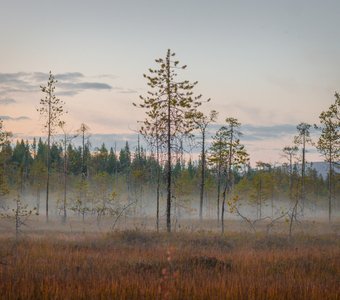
<point x="131" y="264"/>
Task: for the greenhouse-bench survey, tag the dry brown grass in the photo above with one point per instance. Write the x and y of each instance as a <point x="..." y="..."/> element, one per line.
<point x="136" y="265"/>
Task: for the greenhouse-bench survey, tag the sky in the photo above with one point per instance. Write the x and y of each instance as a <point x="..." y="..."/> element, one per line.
<point x="270" y="64"/>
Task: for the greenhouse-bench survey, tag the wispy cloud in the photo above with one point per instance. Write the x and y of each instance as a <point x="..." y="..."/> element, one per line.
<point x="11" y="78"/>
<point x="69" y="84"/>
<point x="67" y="93"/>
<point x="128" y="91"/>
<point x="113" y="140"/>
<point x="20" y="118"/>
<point x="256" y="114"/>
<point x="7" y="101"/>
<point x="111" y="76"/>
<point x="78" y="86"/>
<point x="259" y="133"/>
<point x="69" y="76"/>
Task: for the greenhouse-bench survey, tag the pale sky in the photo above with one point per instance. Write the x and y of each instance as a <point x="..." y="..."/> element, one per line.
<point x="271" y="64"/>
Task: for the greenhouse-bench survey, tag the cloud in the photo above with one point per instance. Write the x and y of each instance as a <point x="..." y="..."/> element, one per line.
<point x="8" y="118"/>
<point x="7" y="101"/>
<point x="257" y="133"/>
<point x="69" y="76"/>
<point x="122" y="90"/>
<point x="12" y="77"/>
<point x="19" y="82"/>
<point x="69" y="83"/>
<point x="128" y="91"/>
<point x="260" y="133"/>
<point x="78" y="86"/>
<point x="113" y="140"/>
<point x="40" y="76"/>
<point x="111" y="76"/>
<point x="257" y="114"/>
<point x="66" y="93"/>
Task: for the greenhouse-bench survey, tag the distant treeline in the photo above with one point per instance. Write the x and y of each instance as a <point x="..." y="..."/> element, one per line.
<point x="97" y="179"/>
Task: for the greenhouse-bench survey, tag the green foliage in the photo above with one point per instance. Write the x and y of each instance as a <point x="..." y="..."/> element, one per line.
<point x="169" y="107"/>
<point x="184" y="190"/>
<point x="226" y="152"/>
<point x="125" y="158"/>
<point x="329" y="143"/>
<point x="5" y="156"/>
<point x="21" y="153"/>
<point x="74" y="160"/>
<point x="51" y="107"/>
<point x="329" y="140"/>
<point x="112" y="162"/>
<point x="100" y="159"/>
<point x="170" y="103"/>
<point x="303" y="134"/>
<point x="4" y="135"/>
<point x="115" y="181"/>
<point x="81" y="203"/>
<point x="104" y="202"/>
<point x="19" y="214"/>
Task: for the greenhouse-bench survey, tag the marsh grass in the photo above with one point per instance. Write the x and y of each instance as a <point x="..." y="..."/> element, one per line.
<point x="149" y="265"/>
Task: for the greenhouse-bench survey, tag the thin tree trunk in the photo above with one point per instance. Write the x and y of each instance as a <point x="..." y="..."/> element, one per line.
<point x="83" y="156"/>
<point x="116" y="166"/>
<point x="228" y="185"/>
<point x="223" y="206"/>
<point x="17" y="220"/>
<point x="219" y="183"/>
<point x="272" y="198"/>
<point x="168" y="204"/>
<point x="202" y="175"/>
<point x="218" y="193"/>
<point x="157" y="212"/>
<point x="38" y="199"/>
<point x="158" y="185"/>
<point x="290" y="176"/>
<point x="293" y="216"/>
<point x="260" y="197"/>
<point x="330" y="191"/>
<point x="65" y="180"/>
<point x="303" y="173"/>
<point x="48" y="169"/>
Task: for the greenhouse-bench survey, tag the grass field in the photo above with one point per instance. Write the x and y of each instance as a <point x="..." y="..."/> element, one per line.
<point x="148" y="265"/>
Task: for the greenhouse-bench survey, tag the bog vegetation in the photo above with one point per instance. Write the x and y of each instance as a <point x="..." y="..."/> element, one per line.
<point x="142" y="265"/>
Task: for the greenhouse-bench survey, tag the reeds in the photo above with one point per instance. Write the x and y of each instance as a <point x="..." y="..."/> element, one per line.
<point x="135" y="265"/>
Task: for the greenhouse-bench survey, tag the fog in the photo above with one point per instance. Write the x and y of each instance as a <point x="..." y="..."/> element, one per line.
<point x="136" y="210"/>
